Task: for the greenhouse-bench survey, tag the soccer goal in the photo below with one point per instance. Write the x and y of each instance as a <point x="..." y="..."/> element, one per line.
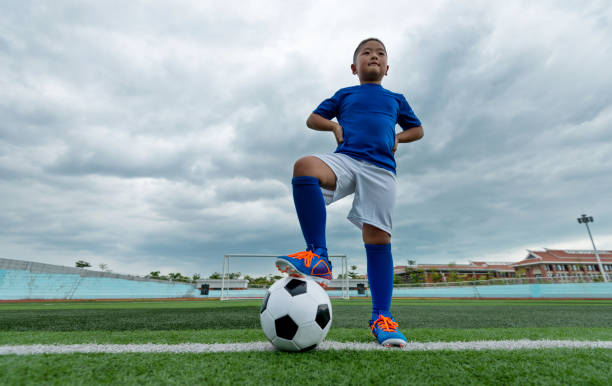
<point x="338" y="288"/>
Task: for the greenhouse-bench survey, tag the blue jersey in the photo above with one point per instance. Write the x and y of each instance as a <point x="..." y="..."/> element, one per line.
<point x="368" y="114"/>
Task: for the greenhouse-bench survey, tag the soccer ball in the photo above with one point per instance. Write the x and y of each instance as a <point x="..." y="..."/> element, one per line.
<point x="296" y="314"/>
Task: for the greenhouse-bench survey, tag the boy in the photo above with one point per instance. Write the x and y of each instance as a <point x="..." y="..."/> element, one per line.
<point x="364" y="164"/>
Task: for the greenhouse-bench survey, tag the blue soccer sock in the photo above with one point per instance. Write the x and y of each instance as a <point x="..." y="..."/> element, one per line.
<point x="311" y="212"/>
<point x="380" y="277"/>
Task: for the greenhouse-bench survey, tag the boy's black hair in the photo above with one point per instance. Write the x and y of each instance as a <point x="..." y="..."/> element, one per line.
<point x="364" y="42"/>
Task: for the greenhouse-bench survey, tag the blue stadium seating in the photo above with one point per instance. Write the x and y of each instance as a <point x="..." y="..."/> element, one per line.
<point x="23" y="284"/>
<point x="20" y="284"/>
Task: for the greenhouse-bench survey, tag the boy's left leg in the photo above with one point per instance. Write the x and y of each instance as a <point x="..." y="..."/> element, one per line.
<point x="380" y="277"/>
<point x="372" y="212"/>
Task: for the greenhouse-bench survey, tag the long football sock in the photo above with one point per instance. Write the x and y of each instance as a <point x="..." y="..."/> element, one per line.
<point x="311" y="212"/>
<point x="380" y="277"/>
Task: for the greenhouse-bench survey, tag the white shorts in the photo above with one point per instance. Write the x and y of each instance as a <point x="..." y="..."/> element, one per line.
<point x="374" y="189"/>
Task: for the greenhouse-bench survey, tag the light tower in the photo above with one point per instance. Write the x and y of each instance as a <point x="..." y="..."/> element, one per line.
<point x="584" y="219"/>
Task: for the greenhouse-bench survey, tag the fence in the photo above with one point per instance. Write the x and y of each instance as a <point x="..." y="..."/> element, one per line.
<point x="226" y="293"/>
<point x="22" y="280"/>
<point x="511" y="291"/>
<point x="510" y="281"/>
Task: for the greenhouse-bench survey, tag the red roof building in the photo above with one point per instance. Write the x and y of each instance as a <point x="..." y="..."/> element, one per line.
<point x="564" y="263"/>
<point x="550" y="263"/>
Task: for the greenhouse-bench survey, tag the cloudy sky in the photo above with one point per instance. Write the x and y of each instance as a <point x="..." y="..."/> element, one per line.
<point x="161" y="135"/>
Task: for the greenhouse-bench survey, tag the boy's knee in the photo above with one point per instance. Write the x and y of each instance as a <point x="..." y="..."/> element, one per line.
<point x="308" y="166"/>
<point x="374" y="235"/>
<point x="313" y="167"/>
<point x="302" y="167"/>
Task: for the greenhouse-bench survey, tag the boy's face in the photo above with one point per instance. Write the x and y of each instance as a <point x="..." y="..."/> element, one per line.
<point x="371" y="62"/>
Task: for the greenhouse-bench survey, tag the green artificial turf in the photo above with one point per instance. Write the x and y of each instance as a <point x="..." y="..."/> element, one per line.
<point x="491" y="367"/>
<point x="120" y="316"/>
<point x="335" y="334"/>
<point x="127" y="304"/>
<point x="238" y="321"/>
<point x="213" y="303"/>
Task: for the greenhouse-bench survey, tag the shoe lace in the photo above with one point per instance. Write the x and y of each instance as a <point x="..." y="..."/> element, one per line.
<point x="385" y="323"/>
<point x="307" y="256"/>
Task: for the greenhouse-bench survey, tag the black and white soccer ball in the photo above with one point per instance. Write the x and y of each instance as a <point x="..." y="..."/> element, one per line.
<point x="296" y="314"/>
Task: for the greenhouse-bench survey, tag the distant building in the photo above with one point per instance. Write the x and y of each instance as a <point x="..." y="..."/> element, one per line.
<point x="549" y="263"/>
<point x="475" y="270"/>
<point x="564" y="263"/>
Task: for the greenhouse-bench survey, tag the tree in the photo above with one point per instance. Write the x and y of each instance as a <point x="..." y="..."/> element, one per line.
<point x="215" y="275"/>
<point x="154" y="275"/>
<point x="234" y="275"/>
<point x="435" y="277"/>
<point x="353" y="272"/>
<point x="411" y="262"/>
<point x="397" y="279"/>
<point x="262" y="281"/>
<point x="178" y="277"/>
<point x="195" y="277"/>
<point x="82" y="264"/>
<point x="415" y="275"/>
<point x="103" y="267"/>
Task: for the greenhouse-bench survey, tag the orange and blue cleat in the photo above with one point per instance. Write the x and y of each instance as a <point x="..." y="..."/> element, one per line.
<point x="385" y="330"/>
<point x="306" y="263"/>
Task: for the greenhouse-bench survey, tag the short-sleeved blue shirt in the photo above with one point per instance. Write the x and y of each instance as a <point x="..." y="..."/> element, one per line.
<point x="368" y="114"/>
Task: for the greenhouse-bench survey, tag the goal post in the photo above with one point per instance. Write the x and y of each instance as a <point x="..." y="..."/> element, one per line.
<point x="225" y="289"/>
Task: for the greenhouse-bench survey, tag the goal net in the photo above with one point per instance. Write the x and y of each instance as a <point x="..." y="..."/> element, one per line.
<point x="338" y="288"/>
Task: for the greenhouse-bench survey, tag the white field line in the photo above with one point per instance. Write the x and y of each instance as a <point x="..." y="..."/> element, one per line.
<point x="265" y="346"/>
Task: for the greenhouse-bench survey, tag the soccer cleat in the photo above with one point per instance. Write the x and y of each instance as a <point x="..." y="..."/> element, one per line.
<point x="385" y="330"/>
<point x="306" y="263"/>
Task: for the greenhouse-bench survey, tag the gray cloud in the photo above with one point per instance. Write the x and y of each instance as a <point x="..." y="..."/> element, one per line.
<point x="163" y="136"/>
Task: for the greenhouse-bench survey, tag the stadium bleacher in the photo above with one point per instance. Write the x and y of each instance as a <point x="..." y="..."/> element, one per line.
<point x="23" y="280"/>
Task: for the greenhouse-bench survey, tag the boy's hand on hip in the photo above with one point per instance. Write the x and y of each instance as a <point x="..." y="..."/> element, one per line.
<point x="395" y="145"/>
<point x="338" y="133"/>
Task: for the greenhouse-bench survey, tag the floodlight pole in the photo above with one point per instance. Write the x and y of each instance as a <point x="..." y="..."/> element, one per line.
<point x="584" y="219"/>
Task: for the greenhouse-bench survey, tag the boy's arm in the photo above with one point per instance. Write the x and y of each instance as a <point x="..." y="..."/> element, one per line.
<point x="410" y="135"/>
<point x="317" y="122"/>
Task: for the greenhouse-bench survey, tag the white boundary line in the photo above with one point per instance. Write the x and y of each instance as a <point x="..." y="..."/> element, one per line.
<point x="266" y="346"/>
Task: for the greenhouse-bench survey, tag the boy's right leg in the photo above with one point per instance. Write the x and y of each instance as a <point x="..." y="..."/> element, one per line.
<point x="309" y="174"/>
